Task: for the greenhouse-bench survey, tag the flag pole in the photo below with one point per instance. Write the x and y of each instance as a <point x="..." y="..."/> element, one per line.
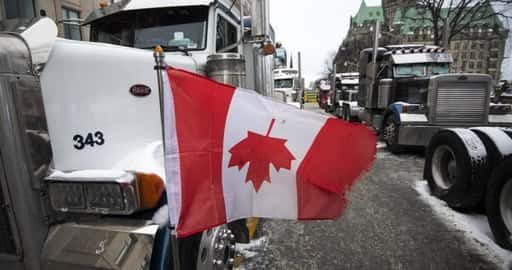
<point x="160" y="67"/>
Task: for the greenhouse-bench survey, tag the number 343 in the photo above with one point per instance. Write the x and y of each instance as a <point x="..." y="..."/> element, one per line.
<point x="91" y="139"/>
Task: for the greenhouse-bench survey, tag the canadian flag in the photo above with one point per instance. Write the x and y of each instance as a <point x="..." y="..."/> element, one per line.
<point x="232" y="153"/>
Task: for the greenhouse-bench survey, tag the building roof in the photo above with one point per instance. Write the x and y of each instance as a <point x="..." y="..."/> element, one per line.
<point x="368" y="14"/>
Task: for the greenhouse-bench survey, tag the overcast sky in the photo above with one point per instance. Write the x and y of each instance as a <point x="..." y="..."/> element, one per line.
<point x="315" y="28"/>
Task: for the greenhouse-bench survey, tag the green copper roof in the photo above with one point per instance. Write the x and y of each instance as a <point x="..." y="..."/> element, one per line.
<point x="368" y="14"/>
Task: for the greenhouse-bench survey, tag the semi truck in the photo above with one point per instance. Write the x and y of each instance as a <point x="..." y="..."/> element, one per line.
<point x="286" y="82"/>
<point x="407" y="93"/>
<point x="344" y="101"/>
<point x="82" y="180"/>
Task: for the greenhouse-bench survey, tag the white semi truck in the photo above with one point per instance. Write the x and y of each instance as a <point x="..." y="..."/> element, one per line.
<point x="81" y="160"/>
<point x="286" y="83"/>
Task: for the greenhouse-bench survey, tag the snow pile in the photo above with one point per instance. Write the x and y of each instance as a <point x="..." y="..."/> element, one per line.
<point x="473" y="225"/>
<point x="250" y="250"/>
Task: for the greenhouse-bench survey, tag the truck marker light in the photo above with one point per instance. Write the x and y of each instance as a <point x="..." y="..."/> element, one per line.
<point x="151" y="188"/>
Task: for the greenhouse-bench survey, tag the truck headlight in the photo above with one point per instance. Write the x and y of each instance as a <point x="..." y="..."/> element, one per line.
<point x="123" y="195"/>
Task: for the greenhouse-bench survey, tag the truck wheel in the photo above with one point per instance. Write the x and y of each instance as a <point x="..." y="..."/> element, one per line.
<point x="390" y="134"/>
<point x="499" y="204"/>
<point x="216" y="249"/>
<point x="454" y="174"/>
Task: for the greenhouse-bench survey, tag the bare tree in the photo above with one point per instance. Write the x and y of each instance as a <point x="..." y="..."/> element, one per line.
<point x="459" y="14"/>
<point x="328" y="63"/>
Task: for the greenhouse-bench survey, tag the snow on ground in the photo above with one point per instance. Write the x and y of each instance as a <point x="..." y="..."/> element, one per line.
<point x="474" y="226"/>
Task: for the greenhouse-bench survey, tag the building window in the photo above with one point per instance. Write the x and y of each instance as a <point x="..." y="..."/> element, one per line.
<point x="472" y="55"/>
<point x="479" y="65"/>
<point x="17" y="9"/>
<point x="465" y="46"/>
<point x="481" y="55"/>
<point x="471" y="65"/>
<point x="473" y="45"/>
<point x="482" y="46"/>
<point x="227" y="35"/>
<point x="71" y="24"/>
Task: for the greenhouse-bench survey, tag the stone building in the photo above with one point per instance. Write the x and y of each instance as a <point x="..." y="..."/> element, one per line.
<point x="61" y="11"/>
<point x="390" y="7"/>
<point x="360" y="36"/>
<point x="478" y="49"/>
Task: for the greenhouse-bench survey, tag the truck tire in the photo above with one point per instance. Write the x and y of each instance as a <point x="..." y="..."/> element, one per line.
<point x="390" y="134"/>
<point x="455" y="168"/>
<point x="499" y="204"/>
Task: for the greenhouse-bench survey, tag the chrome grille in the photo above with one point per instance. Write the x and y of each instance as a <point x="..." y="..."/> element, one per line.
<point x="461" y="102"/>
<point x="7" y="245"/>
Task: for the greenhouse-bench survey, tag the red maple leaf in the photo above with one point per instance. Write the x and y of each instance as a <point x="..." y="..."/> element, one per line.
<point x="260" y="151"/>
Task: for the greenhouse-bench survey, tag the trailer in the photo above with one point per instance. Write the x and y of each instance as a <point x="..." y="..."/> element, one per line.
<point x="407" y="94"/>
<point x="82" y="180"/>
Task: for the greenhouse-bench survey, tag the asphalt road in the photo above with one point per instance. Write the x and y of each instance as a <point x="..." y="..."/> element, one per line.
<point x="386" y="226"/>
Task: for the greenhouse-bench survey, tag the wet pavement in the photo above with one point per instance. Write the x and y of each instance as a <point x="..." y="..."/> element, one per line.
<point x="386" y="226"/>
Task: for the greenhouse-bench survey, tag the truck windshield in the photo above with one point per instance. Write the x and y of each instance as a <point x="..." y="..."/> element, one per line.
<point x="283" y="83"/>
<point x="421" y="69"/>
<point x="177" y="28"/>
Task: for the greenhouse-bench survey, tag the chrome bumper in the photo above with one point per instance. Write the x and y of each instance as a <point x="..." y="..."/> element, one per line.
<point x="116" y="244"/>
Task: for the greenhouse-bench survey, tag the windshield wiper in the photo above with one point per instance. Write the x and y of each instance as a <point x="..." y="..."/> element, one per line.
<point x="169" y="49"/>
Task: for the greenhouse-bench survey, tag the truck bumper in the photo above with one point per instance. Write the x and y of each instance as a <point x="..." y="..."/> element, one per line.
<point x="116" y="244"/>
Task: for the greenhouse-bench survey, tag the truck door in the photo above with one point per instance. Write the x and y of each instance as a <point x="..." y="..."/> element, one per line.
<point x="24" y="156"/>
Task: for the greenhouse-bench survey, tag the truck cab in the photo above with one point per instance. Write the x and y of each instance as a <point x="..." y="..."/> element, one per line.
<point x="408" y="93"/>
<point x="82" y="180"/>
<point x="323" y="88"/>
<point x="286" y="82"/>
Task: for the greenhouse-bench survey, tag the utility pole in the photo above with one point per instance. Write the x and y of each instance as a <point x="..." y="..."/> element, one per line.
<point x="301" y="86"/>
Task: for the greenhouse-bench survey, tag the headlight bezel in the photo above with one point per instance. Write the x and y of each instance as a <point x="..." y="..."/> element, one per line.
<point x="95" y="195"/>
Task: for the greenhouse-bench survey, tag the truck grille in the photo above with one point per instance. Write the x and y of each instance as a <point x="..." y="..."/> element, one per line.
<point x="7" y="245"/>
<point x="461" y="102"/>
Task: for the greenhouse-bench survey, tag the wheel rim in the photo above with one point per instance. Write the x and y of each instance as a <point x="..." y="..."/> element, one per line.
<point x="390" y="131"/>
<point x="444" y="167"/>
<point x="506" y="204"/>
<point x="216" y="250"/>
